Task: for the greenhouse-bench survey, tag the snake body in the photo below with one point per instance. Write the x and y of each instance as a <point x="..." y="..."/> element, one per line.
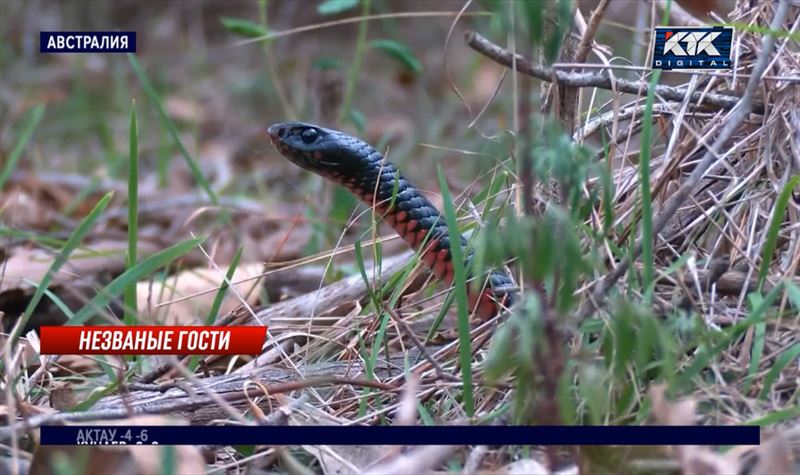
<point x="364" y="171"/>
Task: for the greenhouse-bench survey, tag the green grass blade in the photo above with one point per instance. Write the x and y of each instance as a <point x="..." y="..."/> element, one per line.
<point x="776" y="417"/>
<point x="32" y="121"/>
<point x="352" y="76"/>
<point x="786" y="358"/>
<point x="770" y="244"/>
<point x="774" y="229"/>
<point x="130" y="277"/>
<point x="707" y="353"/>
<point x="72" y="243"/>
<point x="437" y="322"/>
<point x="42" y="240"/>
<point x="464" y="339"/>
<point x="362" y="269"/>
<point x="608" y="189"/>
<point x="133" y="215"/>
<point x="223" y="288"/>
<point x="194" y="361"/>
<point x="488" y="194"/>
<point x="760" y="30"/>
<point x="644" y="179"/>
<point x="379" y="339"/>
<point x="757" y="348"/>
<point x="96" y="396"/>
<point x="55" y="299"/>
<point x="173" y="130"/>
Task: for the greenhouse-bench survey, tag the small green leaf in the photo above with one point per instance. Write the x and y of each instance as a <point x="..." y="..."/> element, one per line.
<point x="332" y="7"/>
<point x="245" y="450"/>
<point x="624" y="333"/>
<point x="328" y="63"/>
<point x="399" y="52"/>
<point x="592" y="389"/>
<point x="500" y="361"/>
<point x="242" y="27"/>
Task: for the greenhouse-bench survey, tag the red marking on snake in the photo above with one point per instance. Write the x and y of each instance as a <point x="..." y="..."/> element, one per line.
<point x="440" y="268"/>
<point x="429" y="255"/>
<point x="449" y="277"/>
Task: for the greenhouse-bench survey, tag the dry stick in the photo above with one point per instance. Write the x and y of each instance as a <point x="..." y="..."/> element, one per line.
<point x="737" y="116"/>
<point x="11" y="403"/>
<point x="409" y="332"/>
<point x="568" y="102"/>
<point x="585" y="44"/>
<point x="348" y="289"/>
<point x="474" y="459"/>
<point x="18" y="428"/>
<point x="506" y="58"/>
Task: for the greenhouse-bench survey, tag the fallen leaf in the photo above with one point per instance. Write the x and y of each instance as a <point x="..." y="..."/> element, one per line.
<point x="186" y="298"/>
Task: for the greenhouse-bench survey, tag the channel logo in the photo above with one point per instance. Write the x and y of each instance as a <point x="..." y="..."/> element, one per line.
<point x="692" y="48"/>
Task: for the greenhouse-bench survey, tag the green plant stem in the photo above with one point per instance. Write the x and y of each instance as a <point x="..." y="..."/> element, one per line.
<point x="288" y="110"/>
<point x="460" y="282"/>
<point x="133" y="215"/>
<point x="352" y="78"/>
<point x="647" y="202"/>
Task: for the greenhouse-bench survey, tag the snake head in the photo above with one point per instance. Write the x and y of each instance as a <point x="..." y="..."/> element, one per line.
<point x="318" y="149"/>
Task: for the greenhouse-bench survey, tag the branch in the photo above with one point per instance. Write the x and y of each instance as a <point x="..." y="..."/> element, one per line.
<point x="585" y="44"/>
<point x="524" y="66"/>
<point x="197" y="402"/>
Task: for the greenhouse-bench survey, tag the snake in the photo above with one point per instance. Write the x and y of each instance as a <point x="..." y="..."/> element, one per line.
<point x="368" y="175"/>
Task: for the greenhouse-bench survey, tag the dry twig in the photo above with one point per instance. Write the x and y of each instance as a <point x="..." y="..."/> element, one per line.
<point x="523" y="65"/>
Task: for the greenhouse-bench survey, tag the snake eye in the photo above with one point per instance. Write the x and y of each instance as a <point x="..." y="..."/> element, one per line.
<point x="309" y="136"/>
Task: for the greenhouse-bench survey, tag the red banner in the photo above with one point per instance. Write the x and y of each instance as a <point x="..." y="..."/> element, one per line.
<point x="152" y="340"/>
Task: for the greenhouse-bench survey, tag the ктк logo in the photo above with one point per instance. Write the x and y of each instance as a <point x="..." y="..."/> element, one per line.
<point x="692" y="48"/>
